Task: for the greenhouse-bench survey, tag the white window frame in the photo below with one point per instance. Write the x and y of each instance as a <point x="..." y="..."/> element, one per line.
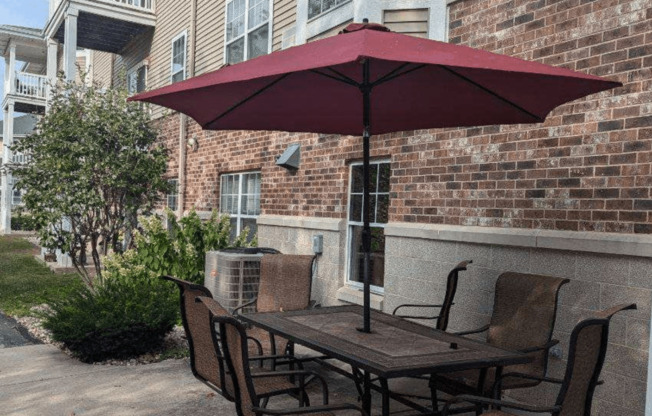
<point x="174" y="195"/>
<point x="134" y="72"/>
<point x="350" y="224"/>
<point x="372" y="10"/>
<point x="183" y="35"/>
<point x="13" y="194"/>
<point x="239" y="215"/>
<point x="247" y="31"/>
<point x="322" y="13"/>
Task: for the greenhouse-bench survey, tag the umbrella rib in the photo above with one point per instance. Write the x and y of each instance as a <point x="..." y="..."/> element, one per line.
<point x="252" y="96"/>
<point x="343" y="78"/>
<point x="488" y="91"/>
<point x="393" y="74"/>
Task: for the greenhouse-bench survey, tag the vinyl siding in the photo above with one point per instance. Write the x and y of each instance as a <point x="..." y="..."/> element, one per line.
<point x="81" y="67"/>
<point x="284" y="18"/>
<point x="331" y="32"/>
<point x="210" y="35"/>
<point x="173" y="17"/>
<point x="137" y="51"/>
<point x="410" y="22"/>
<point x="102" y="68"/>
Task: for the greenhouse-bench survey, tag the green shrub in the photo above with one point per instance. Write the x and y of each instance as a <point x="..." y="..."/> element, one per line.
<point x="128" y="315"/>
<point x="21" y="221"/>
<point x="131" y="310"/>
<point x="181" y="249"/>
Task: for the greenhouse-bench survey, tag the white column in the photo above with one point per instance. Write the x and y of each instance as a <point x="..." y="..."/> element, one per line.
<point x="11" y="69"/>
<point x="6" y="77"/>
<point x="53" y="50"/>
<point x="70" y="44"/>
<point x="8" y="135"/>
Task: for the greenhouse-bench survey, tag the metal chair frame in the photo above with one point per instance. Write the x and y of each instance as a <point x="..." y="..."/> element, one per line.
<point x="602" y="319"/>
<point x="445" y="307"/>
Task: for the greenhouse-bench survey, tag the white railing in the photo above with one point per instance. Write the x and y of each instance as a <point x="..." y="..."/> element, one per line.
<point x="144" y="4"/>
<point x="31" y="85"/>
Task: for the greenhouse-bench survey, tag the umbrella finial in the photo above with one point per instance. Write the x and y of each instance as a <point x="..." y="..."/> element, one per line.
<point x="365" y="20"/>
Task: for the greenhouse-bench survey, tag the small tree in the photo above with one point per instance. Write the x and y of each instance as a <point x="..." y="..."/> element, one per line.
<point x="93" y="166"/>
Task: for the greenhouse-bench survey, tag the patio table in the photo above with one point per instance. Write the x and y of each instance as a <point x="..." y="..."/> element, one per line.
<point x="395" y="348"/>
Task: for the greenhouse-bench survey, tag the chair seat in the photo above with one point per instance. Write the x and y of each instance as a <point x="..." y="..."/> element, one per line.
<point x="270" y="386"/>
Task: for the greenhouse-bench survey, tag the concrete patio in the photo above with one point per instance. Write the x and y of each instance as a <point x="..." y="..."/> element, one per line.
<point x="37" y="380"/>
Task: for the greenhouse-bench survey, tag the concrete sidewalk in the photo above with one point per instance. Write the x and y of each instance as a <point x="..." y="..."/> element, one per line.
<point x="40" y="380"/>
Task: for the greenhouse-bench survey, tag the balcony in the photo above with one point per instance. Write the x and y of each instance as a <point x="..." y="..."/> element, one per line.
<point x="102" y="25"/>
<point x="31" y="85"/>
<point x="28" y="92"/>
<point x="145" y="4"/>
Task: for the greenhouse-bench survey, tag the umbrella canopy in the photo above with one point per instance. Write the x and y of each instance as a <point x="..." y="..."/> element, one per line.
<point x="367" y="81"/>
<point x="419" y="84"/>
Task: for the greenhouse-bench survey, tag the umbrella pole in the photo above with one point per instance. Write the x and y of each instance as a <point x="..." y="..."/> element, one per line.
<point x="366" y="205"/>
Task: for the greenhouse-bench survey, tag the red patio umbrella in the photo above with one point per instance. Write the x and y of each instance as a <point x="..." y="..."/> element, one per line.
<point x="371" y="81"/>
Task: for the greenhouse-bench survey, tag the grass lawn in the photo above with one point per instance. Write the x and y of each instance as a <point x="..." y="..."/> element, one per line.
<point x="24" y="282"/>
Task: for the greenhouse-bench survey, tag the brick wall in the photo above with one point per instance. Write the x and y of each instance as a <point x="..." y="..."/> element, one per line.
<point x="587" y="168"/>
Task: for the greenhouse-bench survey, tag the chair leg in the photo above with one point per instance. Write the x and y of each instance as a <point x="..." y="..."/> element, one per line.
<point x="433" y="394"/>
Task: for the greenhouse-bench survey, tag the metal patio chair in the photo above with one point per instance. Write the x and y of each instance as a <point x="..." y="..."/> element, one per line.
<point x="445" y="306"/>
<point x="231" y="336"/>
<point x="586" y="353"/>
<point x="207" y="362"/>
<point x="523" y="318"/>
<point x="285" y="285"/>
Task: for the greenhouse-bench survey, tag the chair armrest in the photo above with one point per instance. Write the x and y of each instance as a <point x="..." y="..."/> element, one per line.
<point x="416" y="316"/>
<point x="545" y="347"/>
<point x="474" y="331"/>
<point x="236" y="311"/>
<point x="498" y="384"/>
<point x="302" y="374"/>
<point x="498" y="403"/>
<point x="530" y="377"/>
<point x="259" y="346"/>
<point x="272" y="357"/>
<point x="307" y="410"/>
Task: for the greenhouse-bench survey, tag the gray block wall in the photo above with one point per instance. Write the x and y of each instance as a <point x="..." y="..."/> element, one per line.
<point x="416" y="268"/>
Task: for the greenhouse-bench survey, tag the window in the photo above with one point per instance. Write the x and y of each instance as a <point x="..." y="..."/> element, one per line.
<point x="317" y="7"/>
<point x="16" y="194"/>
<point x="179" y="58"/>
<point x="172" y="197"/>
<point x="137" y="80"/>
<point x="247" y="29"/>
<point x="379" y="199"/>
<point x="240" y="198"/>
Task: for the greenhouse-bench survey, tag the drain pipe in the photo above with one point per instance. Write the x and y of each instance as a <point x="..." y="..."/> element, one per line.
<point x="183" y="119"/>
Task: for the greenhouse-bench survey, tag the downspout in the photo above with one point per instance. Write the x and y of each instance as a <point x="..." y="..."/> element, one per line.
<point x="183" y="121"/>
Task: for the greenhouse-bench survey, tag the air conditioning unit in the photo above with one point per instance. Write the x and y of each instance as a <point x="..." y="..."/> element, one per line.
<point x="233" y="276"/>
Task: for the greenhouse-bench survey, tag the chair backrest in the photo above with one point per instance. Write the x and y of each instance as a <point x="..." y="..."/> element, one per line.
<point x="232" y="338"/>
<point x="451" y="289"/>
<point x="525" y="309"/>
<point x="588" y="347"/>
<point x="285" y="282"/>
<point x="205" y="361"/>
